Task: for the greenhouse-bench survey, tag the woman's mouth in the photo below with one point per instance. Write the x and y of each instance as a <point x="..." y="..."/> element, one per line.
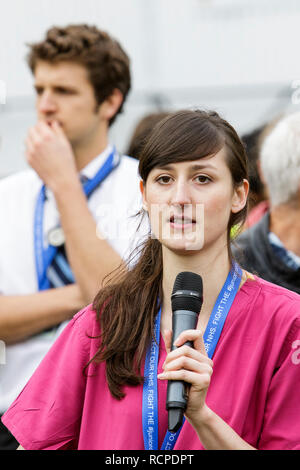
<point x="181" y="222"/>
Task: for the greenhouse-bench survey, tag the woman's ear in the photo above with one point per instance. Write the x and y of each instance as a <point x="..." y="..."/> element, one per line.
<point x="142" y="189"/>
<point x="240" y="196"/>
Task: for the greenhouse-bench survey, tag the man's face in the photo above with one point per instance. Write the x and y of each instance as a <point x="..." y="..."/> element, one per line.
<point x="65" y="94"/>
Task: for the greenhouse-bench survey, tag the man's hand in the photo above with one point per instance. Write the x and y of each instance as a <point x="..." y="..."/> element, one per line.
<point x="50" y="154"/>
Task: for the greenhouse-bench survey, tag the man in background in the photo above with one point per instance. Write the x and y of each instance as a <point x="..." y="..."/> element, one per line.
<point x="65" y="221"/>
<point x="271" y="247"/>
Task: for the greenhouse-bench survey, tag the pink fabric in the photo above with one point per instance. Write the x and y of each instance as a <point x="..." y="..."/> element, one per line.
<point x="254" y="386"/>
<point x="257" y="213"/>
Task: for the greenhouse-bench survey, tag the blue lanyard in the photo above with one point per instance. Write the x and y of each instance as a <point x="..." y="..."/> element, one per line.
<point x="210" y="337"/>
<point x="44" y="257"/>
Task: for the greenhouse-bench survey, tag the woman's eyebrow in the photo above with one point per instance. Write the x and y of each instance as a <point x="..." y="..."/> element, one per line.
<point x="164" y="167"/>
<point x="203" y="166"/>
<point x="195" y="167"/>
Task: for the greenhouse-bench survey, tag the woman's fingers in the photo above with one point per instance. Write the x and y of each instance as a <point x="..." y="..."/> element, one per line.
<point x="195" y="364"/>
<point x="191" y="335"/>
<point x="198" y="352"/>
<point x="185" y="363"/>
<point x="198" y="380"/>
<point x="188" y="370"/>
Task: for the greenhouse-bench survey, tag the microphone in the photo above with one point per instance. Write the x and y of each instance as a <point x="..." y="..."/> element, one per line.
<point x="186" y="299"/>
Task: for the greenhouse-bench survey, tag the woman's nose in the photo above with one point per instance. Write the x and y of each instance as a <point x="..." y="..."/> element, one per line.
<point x="181" y="193"/>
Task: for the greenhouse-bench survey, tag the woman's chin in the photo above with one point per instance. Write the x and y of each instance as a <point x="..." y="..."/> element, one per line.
<point x="184" y="247"/>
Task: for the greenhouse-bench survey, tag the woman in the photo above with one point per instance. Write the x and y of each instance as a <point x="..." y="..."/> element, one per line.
<point x="194" y="187"/>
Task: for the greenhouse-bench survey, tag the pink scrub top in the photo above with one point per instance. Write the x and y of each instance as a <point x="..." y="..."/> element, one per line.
<point x="254" y="386"/>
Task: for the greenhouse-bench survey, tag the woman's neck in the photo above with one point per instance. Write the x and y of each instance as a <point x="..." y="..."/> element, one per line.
<point x="213" y="270"/>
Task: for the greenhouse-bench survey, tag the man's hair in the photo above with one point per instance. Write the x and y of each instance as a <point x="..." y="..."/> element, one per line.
<point x="280" y="159"/>
<point x="107" y="64"/>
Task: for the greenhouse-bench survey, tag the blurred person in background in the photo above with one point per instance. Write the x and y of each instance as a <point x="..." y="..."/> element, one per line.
<point x="258" y="199"/>
<point x="141" y="131"/>
<point x="65" y="221"/>
<point x="271" y="247"/>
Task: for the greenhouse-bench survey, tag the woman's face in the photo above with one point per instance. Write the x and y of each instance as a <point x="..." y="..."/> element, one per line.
<point x="189" y="203"/>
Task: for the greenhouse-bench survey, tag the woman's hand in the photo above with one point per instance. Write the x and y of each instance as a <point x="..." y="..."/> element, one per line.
<point x="192" y="366"/>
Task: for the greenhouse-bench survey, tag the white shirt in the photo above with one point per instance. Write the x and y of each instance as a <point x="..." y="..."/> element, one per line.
<point x="112" y="204"/>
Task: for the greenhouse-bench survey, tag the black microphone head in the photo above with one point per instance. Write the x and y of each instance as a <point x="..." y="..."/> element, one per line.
<point x="187" y="292"/>
<point x="188" y="281"/>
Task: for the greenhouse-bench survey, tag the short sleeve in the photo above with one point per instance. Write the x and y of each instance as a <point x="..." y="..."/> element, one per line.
<point x="281" y="427"/>
<point x="46" y="414"/>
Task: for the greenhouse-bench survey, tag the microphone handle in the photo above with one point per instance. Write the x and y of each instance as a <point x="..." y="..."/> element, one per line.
<point x="177" y="390"/>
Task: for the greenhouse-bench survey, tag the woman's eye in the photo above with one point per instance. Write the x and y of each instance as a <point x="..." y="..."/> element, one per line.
<point x="164" y="179"/>
<point x="202" y="179"/>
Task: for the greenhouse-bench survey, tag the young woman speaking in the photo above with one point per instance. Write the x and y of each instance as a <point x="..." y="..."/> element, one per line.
<point x="92" y="391"/>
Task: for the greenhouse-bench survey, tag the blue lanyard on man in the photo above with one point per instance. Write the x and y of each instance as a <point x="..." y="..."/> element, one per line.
<point x="210" y="337"/>
<point x="44" y="257"/>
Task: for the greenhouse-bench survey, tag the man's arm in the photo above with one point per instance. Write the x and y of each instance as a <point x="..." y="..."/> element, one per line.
<point x="50" y="154"/>
<point x="24" y="315"/>
<point x="90" y="257"/>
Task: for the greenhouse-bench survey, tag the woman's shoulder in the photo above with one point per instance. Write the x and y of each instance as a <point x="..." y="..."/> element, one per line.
<point x="86" y="322"/>
<point x="87" y="316"/>
<point x="272" y="299"/>
<point x="270" y="289"/>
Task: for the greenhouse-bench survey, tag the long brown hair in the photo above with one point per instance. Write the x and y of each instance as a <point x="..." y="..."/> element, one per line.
<point x="126" y="308"/>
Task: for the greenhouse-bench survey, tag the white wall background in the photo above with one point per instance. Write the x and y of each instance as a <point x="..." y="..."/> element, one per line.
<point x="239" y="57"/>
